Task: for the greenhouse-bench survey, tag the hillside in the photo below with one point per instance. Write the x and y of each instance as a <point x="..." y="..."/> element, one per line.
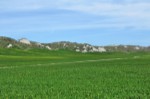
<point x="25" y="44"/>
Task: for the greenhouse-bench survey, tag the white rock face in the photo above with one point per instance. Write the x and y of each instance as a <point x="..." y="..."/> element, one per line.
<point x="116" y="47"/>
<point x="39" y="44"/>
<point x="48" y="47"/>
<point x="84" y="51"/>
<point x="77" y="50"/>
<point x="137" y="48"/>
<point x="9" y="46"/>
<point x="64" y="45"/>
<point x="84" y="47"/>
<point x="125" y="46"/>
<point x="101" y="49"/>
<point x="24" y="41"/>
<point x="95" y="49"/>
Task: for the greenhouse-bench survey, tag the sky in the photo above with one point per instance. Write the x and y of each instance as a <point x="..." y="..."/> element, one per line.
<point x="97" y="22"/>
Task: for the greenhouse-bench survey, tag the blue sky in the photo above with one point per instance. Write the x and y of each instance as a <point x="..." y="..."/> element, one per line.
<point x="98" y="22"/>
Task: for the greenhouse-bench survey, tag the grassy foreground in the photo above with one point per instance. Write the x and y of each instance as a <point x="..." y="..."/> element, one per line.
<point x="33" y="75"/>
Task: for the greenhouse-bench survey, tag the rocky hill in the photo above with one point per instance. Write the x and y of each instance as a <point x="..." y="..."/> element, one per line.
<point x="26" y="44"/>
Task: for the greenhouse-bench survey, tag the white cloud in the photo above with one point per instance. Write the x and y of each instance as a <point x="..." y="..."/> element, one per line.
<point x="132" y="14"/>
<point x="124" y="13"/>
<point x="142" y="9"/>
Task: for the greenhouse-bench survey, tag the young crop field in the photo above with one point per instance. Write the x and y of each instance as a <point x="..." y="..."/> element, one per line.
<point x="70" y="75"/>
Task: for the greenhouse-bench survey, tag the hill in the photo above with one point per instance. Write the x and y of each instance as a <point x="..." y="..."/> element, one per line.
<point x="25" y="44"/>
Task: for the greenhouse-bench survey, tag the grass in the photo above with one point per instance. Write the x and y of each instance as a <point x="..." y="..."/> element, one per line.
<point x="127" y="78"/>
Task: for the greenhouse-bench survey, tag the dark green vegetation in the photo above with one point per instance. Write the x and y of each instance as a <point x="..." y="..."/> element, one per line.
<point x="32" y="74"/>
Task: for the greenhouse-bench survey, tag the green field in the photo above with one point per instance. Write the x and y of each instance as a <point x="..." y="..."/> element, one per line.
<point x="43" y="74"/>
